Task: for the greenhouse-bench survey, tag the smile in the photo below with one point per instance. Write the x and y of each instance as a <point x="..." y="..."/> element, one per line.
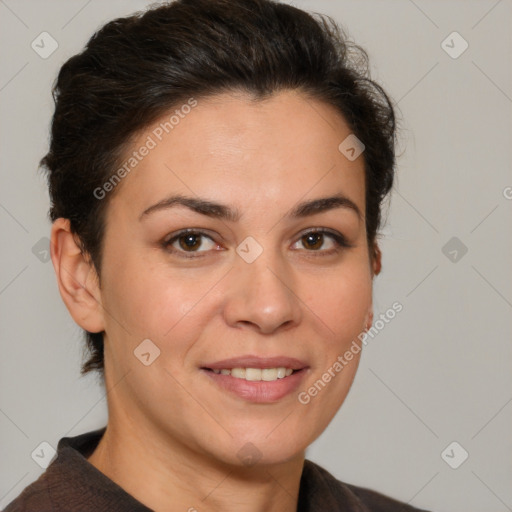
<point x="256" y="374"/>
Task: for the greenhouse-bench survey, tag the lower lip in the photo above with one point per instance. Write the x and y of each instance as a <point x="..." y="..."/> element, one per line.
<point x="258" y="391"/>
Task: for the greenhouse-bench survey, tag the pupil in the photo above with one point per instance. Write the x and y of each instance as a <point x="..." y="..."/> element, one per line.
<point x="190" y="241"/>
<point x="311" y="239"/>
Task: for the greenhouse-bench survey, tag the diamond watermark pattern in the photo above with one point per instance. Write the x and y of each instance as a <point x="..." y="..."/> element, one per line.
<point x="249" y="454"/>
<point x="454" y="249"/>
<point x="43" y="454"/>
<point x="146" y="352"/>
<point x="41" y="249"/>
<point x="454" y="45"/>
<point x="454" y="455"/>
<point x="351" y="147"/>
<point x="44" y="45"/>
<point x="249" y="249"/>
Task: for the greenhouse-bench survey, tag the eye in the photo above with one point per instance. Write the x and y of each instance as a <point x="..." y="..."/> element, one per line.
<point x="314" y="240"/>
<point x="189" y="241"/>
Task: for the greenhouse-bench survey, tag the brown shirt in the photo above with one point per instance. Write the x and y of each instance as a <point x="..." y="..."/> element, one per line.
<point x="72" y="484"/>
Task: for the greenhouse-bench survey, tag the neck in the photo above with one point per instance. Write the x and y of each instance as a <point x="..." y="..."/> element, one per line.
<point x="164" y="475"/>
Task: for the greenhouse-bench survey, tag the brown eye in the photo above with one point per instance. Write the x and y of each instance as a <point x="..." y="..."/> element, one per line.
<point x="190" y="242"/>
<point x="323" y="242"/>
<point x="313" y="240"/>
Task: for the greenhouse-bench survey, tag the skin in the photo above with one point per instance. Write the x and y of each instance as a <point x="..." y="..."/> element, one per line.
<point x="169" y="425"/>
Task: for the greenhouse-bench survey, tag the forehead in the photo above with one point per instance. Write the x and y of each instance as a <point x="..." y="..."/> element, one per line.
<point x="259" y="153"/>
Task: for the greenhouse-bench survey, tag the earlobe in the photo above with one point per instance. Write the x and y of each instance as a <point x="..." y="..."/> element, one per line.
<point x="369" y="319"/>
<point x="76" y="277"/>
<point x="377" y="260"/>
<point x="376" y="266"/>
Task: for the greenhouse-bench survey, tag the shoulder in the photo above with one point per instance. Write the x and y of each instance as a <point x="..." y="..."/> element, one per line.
<point x="34" y="498"/>
<point x="318" y="488"/>
<point x="64" y="480"/>
<point x="377" y="502"/>
<point x="72" y="483"/>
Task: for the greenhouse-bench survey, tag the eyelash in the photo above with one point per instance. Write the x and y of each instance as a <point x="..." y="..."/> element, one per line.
<point x="340" y="241"/>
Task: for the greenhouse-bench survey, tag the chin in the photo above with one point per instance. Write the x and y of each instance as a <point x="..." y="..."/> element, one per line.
<point x="264" y="449"/>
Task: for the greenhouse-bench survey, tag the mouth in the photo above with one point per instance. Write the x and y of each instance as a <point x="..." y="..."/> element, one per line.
<point x="255" y="379"/>
<point x="255" y="374"/>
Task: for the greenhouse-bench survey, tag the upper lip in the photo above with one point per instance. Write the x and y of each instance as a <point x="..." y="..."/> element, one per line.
<point x="251" y="361"/>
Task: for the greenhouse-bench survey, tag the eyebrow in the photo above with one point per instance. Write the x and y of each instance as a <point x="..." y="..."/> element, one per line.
<point x="224" y="212"/>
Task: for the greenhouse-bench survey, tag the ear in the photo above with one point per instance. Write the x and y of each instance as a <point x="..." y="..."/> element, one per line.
<point x="368" y="321"/>
<point x="77" y="279"/>
<point x="376" y="266"/>
<point x="377" y="260"/>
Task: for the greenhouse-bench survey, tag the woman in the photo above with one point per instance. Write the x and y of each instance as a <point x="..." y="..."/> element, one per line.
<point x="216" y="172"/>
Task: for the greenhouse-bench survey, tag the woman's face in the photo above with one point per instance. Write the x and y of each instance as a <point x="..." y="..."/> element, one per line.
<point x="258" y="286"/>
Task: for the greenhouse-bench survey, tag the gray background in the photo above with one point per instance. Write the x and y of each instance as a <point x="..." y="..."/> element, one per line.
<point x="439" y="372"/>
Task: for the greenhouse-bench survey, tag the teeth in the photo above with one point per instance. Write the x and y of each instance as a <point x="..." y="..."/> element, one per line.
<point x="257" y="374"/>
<point x="270" y="374"/>
<point x="281" y="373"/>
<point x="253" y="374"/>
<point x="239" y="373"/>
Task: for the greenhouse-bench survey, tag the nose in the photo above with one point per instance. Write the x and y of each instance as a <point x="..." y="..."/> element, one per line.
<point x="261" y="296"/>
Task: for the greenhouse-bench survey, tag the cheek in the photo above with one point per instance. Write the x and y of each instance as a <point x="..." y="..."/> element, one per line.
<point x="138" y="296"/>
<point x="152" y="300"/>
<point x="342" y="303"/>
